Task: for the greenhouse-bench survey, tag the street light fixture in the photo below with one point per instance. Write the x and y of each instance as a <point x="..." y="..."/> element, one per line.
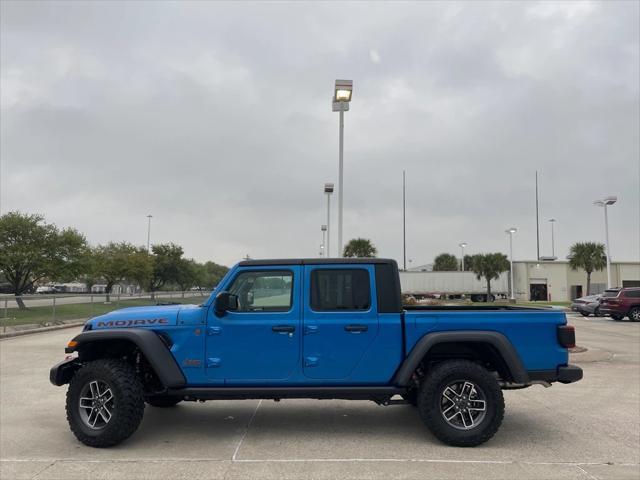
<point x="462" y="246"/>
<point x="511" y="231"/>
<point x="149" y="233"/>
<point x="328" y="189"/>
<point x="605" y="202"/>
<point x="553" y="240"/>
<point x="341" y="98"/>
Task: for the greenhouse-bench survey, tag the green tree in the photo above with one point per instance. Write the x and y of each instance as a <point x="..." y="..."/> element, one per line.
<point x="468" y="263"/>
<point x="210" y="274"/>
<point x="489" y="266"/>
<point x="166" y="260"/>
<point x="589" y="256"/>
<point x="116" y="262"/>
<point x="188" y="274"/>
<point x="360" y="247"/>
<point x="31" y="250"/>
<point x="445" y="262"/>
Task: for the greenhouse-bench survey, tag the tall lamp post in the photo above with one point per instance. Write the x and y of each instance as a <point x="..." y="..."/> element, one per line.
<point x="341" y="98"/>
<point x="605" y="202"/>
<point x="323" y="245"/>
<point x="462" y="245"/>
<point x="511" y="231"/>
<point x="328" y="189"/>
<point x="149" y="233"/>
<point x="552" y="221"/>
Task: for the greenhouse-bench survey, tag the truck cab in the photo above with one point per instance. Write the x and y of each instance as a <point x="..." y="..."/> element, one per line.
<point x="312" y="328"/>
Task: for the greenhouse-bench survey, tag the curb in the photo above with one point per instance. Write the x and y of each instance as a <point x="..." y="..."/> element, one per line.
<point x="19" y="333"/>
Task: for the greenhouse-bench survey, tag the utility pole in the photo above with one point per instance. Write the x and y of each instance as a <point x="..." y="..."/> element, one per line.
<point x="537" y="222"/>
<point x="404" y="222"/>
<point x="149" y="233"/>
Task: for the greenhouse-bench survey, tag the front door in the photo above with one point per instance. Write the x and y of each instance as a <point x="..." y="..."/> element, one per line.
<point x="261" y="340"/>
<point x="340" y="318"/>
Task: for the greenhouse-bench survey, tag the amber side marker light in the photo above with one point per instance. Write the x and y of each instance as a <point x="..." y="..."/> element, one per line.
<point x="72" y="343"/>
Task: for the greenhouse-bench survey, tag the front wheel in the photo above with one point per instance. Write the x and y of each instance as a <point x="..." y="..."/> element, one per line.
<point x="105" y="403"/>
<point x="461" y="403"/>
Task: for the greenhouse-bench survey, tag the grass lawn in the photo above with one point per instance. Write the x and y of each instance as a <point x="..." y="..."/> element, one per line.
<point x="44" y="315"/>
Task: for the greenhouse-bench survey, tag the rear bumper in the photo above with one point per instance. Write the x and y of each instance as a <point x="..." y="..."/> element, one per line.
<point x="61" y="373"/>
<point x="563" y="374"/>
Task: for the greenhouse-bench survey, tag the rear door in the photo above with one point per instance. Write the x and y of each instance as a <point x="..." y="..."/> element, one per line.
<point x="340" y="318"/>
<point x="261" y="340"/>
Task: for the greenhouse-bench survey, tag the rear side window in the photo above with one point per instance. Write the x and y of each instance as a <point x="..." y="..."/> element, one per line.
<point x="340" y="290"/>
<point x="610" y="293"/>
<point x="632" y="294"/>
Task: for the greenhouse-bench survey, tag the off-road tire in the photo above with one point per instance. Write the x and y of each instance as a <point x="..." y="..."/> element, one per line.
<point x="163" y="401"/>
<point x="634" y="314"/>
<point x="411" y="397"/>
<point x="127" y="407"/>
<point x="430" y="398"/>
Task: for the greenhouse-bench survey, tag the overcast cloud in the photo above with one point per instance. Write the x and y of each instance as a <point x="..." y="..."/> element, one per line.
<point x="216" y="118"/>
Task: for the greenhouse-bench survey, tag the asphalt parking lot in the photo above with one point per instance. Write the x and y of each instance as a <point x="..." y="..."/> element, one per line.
<point x="589" y="430"/>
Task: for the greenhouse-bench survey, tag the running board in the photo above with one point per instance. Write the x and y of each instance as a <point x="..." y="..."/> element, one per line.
<point x="377" y="394"/>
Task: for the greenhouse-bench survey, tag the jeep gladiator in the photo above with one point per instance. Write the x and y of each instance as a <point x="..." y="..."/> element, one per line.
<point x="312" y="328"/>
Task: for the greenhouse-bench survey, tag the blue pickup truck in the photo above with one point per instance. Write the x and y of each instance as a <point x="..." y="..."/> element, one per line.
<point x="312" y="328"/>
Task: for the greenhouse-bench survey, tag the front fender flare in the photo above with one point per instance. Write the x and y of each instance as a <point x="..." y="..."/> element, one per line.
<point x="495" y="339"/>
<point x="149" y="343"/>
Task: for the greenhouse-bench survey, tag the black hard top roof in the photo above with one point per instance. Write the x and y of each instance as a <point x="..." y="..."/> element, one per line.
<point x="315" y="261"/>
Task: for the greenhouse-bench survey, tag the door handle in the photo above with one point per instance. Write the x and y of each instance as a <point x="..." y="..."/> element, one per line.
<point x="283" y="328"/>
<point x="356" y="328"/>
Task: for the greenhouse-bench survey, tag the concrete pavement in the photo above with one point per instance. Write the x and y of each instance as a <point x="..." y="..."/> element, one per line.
<point x="584" y="431"/>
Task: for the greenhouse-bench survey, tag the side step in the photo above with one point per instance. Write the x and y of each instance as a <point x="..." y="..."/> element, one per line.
<point x="380" y="395"/>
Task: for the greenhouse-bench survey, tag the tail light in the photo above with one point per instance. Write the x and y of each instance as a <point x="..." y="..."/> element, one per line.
<point x="567" y="336"/>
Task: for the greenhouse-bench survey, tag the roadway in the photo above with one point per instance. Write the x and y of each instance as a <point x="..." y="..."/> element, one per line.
<point x="589" y="430"/>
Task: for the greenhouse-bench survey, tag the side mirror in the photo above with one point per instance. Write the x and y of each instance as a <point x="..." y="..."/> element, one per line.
<point x="226" y="302"/>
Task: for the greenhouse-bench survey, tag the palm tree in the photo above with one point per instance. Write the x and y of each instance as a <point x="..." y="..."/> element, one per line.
<point x="588" y="256"/>
<point x="445" y="262"/>
<point x="489" y="266"/>
<point x="360" y="247"/>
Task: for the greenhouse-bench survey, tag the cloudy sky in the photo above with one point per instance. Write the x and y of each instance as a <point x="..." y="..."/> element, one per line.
<point x="216" y="118"/>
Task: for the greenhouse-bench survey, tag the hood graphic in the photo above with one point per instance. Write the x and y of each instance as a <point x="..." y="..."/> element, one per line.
<point x="137" y="317"/>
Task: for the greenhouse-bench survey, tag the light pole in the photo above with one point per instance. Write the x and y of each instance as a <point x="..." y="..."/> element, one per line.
<point x="328" y="189"/>
<point x="610" y="200"/>
<point x="149" y="233"/>
<point x="511" y="231"/>
<point x="404" y="222"/>
<point x="462" y="245"/>
<point x="341" y="98"/>
<point x="553" y="240"/>
<point x="323" y="247"/>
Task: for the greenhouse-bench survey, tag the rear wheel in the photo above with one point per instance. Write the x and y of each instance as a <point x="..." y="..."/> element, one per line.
<point x="105" y="403"/>
<point x="461" y="403"/>
<point x="634" y="314"/>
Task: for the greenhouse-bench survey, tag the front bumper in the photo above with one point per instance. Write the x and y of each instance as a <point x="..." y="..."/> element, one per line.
<point x="563" y="374"/>
<point x="61" y="373"/>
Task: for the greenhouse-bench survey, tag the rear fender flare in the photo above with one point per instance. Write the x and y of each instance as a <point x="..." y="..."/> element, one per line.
<point x="495" y="339"/>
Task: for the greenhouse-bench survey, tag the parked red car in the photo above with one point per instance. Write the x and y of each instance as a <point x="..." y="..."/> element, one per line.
<point x="620" y="303"/>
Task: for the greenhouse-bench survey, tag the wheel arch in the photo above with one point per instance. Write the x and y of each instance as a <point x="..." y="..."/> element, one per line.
<point x="489" y="346"/>
<point x="115" y="343"/>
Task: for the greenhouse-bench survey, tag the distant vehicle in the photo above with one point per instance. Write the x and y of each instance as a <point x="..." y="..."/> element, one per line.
<point x="583" y="301"/>
<point x="451" y="285"/>
<point x="45" y="290"/>
<point x="621" y="302"/>
<point x="589" y="305"/>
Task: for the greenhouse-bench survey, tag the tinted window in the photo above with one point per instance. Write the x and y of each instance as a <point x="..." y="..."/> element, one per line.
<point x="263" y="291"/>
<point x="611" y="293"/>
<point x="632" y="294"/>
<point x="344" y="289"/>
